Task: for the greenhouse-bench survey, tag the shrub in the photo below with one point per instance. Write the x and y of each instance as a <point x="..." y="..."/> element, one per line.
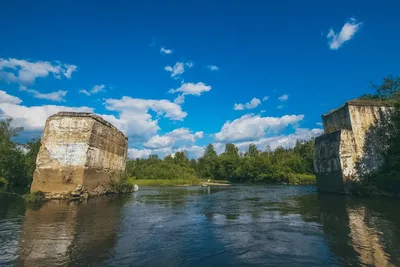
<point x="35" y="197"/>
<point x="122" y="183"/>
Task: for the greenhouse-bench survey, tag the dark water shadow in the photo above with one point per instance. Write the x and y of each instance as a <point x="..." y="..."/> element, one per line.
<point x="71" y="234"/>
<point x="359" y="231"/>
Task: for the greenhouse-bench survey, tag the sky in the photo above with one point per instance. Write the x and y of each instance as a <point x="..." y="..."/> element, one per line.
<point x="178" y="75"/>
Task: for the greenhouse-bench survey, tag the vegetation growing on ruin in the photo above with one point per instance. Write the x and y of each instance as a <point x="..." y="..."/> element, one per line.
<point x="387" y="177"/>
<point x="122" y="183"/>
<point x="35" y="197"/>
<point x="283" y="166"/>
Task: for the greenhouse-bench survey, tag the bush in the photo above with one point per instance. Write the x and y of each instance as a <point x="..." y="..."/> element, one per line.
<point x="122" y="183"/>
<point x="3" y="182"/>
<point x="35" y="197"/>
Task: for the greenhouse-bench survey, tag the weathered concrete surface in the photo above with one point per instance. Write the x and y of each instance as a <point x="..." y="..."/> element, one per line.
<point x="350" y="146"/>
<point x="79" y="152"/>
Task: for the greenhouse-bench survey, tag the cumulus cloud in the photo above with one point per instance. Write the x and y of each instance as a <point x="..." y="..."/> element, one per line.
<point x="25" y="71"/>
<point x="286" y="141"/>
<point x="252" y="127"/>
<point x="134" y="117"/>
<point x="178" y="69"/>
<point x="349" y="29"/>
<point x="174" y="139"/>
<point x="180" y="99"/>
<point x="192" y="89"/>
<point x="249" y="105"/>
<point x="57" y="96"/>
<point x="212" y="68"/>
<point x="189" y="89"/>
<point x="33" y="118"/>
<point x="95" y="89"/>
<point x="238" y="107"/>
<point x="265" y="98"/>
<point x="6" y="98"/>
<point x="70" y="70"/>
<point x="283" y="98"/>
<point x="164" y="50"/>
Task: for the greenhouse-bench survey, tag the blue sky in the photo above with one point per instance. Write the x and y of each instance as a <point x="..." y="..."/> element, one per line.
<point x="177" y="75"/>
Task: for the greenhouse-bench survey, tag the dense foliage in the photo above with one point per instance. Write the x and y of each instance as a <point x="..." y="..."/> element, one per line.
<point x="387" y="177"/>
<point x="292" y="165"/>
<point x="17" y="161"/>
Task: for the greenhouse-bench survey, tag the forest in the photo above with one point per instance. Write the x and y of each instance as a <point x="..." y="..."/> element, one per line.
<point x="283" y="165"/>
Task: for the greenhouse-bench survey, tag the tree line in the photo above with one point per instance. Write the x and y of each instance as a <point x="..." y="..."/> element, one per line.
<point x="283" y="165"/>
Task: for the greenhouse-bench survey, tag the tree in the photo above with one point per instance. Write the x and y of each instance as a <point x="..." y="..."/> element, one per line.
<point x="231" y="150"/>
<point x="32" y="147"/>
<point x="208" y="162"/>
<point x="12" y="166"/>
<point x="252" y="151"/>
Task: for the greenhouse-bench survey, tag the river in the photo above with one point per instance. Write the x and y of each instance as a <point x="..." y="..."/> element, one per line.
<point x="203" y="226"/>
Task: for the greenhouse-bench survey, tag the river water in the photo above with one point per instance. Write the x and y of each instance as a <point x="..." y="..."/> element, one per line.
<point x="199" y="226"/>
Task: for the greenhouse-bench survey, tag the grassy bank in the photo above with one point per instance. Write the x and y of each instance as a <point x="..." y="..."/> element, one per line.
<point x="301" y="179"/>
<point x="290" y="179"/>
<point x="166" y="182"/>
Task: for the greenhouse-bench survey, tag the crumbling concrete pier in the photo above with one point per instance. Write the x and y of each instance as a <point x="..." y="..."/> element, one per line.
<point x="350" y="146"/>
<point x="80" y="153"/>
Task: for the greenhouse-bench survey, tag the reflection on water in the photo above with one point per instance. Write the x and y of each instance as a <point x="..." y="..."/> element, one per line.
<point x="241" y="225"/>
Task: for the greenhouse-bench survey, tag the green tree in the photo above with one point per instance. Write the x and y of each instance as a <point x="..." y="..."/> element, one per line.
<point x="252" y="151"/>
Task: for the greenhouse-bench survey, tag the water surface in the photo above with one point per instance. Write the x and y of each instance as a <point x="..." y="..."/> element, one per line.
<point x="198" y="226"/>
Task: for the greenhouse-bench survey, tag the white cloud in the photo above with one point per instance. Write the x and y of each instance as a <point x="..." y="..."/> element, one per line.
<point x="252" y="127"/>
<point x="180" y="99"/>
<point x="192" y="89"/>
<point x="212" y="67"/>
<point x="6" y="98"/>
<point x="70" y="70"/>
<point x="189" y="89"/>
<point x="319" y="123"/>
<point x="280" y="107"/>
<point x="166" y="51"/>
<point x="249" y="105"/>
<point x="57" y="96"/>
<point x="174" y="139"/>
<point x="134" y="118"/>
<point x="265" y="98"/>
<point x="178" y="69"/>
<point x="95" y="89"/>
<point x="336" y="40"/>
<point x="33" y="118"/>
<point x="238" y="107"/>
<point x="24" y="71"/>
<point x="286" y="141"/>
<point x="284" y="97"/>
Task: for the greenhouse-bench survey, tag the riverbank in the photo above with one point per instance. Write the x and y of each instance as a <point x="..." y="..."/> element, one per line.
<point x="286" y="179"/>
<point x="177" y="182"/>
